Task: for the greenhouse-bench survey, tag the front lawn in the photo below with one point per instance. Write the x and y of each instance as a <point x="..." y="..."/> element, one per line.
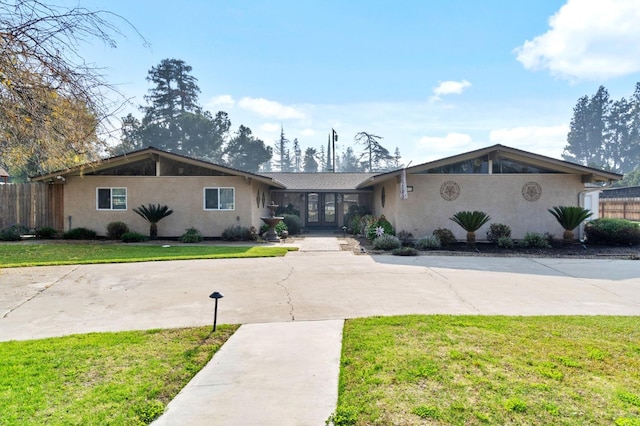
<point x="474" y="370"/>
<point x="124" y="378"/>
<point x="14" y="255"/>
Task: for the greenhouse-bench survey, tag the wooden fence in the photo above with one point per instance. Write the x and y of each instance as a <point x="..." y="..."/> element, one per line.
<point x="620" y="208"/>
<point x="34" y="205"/>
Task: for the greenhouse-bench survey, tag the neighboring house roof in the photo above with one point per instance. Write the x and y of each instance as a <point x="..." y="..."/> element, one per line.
<point x="3" y="173"/>
<point x="133" y="163"/>
<point x="625" y="192"/>
<point x="320" y="181"/>
<point x="495" y="152"/>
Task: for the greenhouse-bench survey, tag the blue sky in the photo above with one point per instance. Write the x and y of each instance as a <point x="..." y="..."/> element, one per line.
<point x="433" y="78"/>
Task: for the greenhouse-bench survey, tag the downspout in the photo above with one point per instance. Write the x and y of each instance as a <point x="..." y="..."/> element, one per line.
<point x="581" y="195"/>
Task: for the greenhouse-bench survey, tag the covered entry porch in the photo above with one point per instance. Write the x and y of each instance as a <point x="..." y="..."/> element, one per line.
<point x="322" y="209"/>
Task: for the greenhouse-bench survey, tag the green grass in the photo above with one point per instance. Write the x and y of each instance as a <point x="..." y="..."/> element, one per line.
<point x="474" y="370"/>
<point x="15" y="255"/>
<point x="123" y="378"/>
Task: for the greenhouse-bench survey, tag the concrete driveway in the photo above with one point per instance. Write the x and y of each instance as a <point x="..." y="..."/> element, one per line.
<point x="313" y="284"/>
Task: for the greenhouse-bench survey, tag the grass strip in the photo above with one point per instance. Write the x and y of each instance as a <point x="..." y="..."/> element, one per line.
<point x="18" y="255"/>
<point x="123" y="378"/>
<point x="474" y="370"/>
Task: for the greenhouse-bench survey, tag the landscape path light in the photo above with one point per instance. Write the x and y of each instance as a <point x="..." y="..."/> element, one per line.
<point x="215" y="295"/>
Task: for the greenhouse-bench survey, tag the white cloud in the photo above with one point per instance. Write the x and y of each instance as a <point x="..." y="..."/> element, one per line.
<point x="543" y="140"/>
<point x="221" y="101"/>
<point x="270" y="109"/>
<point x="436" y="147"/>
<point x="587" y="39"/>
<point x="451" y="87"/>
<point x="307" y="132"/>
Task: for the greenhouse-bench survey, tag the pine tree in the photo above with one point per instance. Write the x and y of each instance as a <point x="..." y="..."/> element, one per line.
<point x="283" y="161"/>
<point x="297" y="156"/>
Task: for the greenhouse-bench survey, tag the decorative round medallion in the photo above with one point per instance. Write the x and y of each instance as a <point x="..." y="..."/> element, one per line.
<point x="383" y="197"/>
<point x="531" y="191"/>
<point x="449" y="190"/>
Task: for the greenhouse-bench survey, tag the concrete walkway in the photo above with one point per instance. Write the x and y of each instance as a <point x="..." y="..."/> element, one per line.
<point x="266" y="374"/>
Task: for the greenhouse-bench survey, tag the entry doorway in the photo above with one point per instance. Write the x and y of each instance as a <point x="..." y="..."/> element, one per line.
<point x="321" y="209"/>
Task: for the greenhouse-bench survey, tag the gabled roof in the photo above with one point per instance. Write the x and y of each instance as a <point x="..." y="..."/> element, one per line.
<point x="3" y="172"/>
<point x="588" y="174"/>
<point x="320" y="181"/>
<point x="103" y="166"/>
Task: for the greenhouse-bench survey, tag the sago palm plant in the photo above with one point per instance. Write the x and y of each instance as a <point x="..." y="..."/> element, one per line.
<point x="471" y="222"/>
<point x="153" y="213"/>
<point x="569" y="217"/>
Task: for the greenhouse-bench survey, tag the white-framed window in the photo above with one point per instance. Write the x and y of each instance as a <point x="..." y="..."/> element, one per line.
<point x="219" y="198"/>
<point x="111" y="198"/>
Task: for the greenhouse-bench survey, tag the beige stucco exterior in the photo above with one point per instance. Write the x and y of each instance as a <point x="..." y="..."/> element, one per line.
<point x="499" y="195"/>
<point x="184" y="195"/>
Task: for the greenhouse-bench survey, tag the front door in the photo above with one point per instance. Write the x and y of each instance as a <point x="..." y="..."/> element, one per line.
<point x="321" y="209"/>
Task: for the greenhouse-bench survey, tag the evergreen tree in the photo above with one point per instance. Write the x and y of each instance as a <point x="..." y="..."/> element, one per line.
<point x="175" y="91"/>
<point x="310" y="163"/>
<point x="322" y="159"/>
<point x="588" y="130"/>
<point x="349" y="162"/>
<point x="245" y="152"/>
<point x="284" y="161"/>
<point x="297" y="156"/>
<point x="374" y="152"/>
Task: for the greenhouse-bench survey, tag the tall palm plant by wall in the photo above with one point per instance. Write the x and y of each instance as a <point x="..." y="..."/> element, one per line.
<point x="569" y="217"/>
<point x="471" y="221"/>
<point x="153" y="213"/>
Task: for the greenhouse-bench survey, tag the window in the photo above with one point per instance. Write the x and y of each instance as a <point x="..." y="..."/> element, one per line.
<point x="219" y="199"/>
<point x="111" y="199"/>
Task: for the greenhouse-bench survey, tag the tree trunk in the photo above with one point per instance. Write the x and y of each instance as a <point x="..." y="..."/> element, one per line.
<point x="471" y="238"/>
<point x="153" y="231"/>
<point x="567" y="237"/>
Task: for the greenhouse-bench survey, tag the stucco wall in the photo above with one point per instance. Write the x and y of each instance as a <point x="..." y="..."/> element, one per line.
<point x="184" y="195"/>
<point x="498" y="195"/>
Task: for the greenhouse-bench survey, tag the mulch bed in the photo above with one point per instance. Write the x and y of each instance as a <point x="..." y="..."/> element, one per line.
<point x="577" y="251"/>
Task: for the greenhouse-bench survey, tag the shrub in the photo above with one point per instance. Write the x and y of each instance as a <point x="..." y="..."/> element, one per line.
<point x="364" y="222"/>
<point x="429" y="242"/>
<point x="289" y="209"/>
<point x="13" y="233"/>
<point x="470" y="221"/>
<point x="569" y="217"/>
<point x="379" y="227"/>
<point x="133" y="237"/>
<point x="386" y="242"/>
<point x="506" y="243"/>
<point x="191" y="236"/>
<point x="80" y="234"/>
<point x="613" y="232"/>
<point x="536" y="240"/>
<point x="153" y="213"/>
<point x="116" y="229"/>
<point x="293" y="222"/>
<point x="404" y="251"/>
<point x="236" y="233"/>
<point x="406" y="238"/>
<point x="281" y="226"/>
<point x="445" y="236"/>
<point x="497" y="231"/>
<point x="46" y="233"/>
<point x="353" y="216"/>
